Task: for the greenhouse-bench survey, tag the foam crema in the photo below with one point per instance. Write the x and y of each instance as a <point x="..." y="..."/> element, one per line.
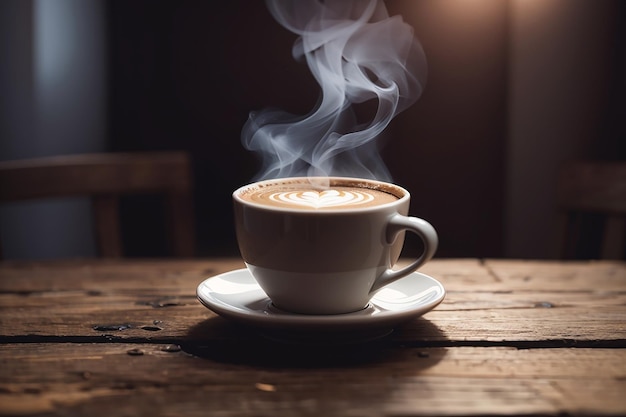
<point x="323" y="199"/>
<point x="303" y="197"/>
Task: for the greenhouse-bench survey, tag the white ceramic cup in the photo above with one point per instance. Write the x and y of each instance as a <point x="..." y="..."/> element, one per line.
<point x="328" y="261"/>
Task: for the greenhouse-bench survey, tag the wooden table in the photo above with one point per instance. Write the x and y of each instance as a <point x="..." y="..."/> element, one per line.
<point x="129" y="338"/>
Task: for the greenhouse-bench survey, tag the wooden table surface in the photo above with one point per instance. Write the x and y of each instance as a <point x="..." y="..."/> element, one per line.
<point x="129" y="338"/>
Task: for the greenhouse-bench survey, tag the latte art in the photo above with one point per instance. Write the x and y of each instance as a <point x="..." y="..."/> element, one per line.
<point x="307" y="197"/>
<point x="323" y="199"/>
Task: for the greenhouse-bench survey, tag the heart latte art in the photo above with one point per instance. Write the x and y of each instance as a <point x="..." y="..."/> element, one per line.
<point x="323" y="199"/>
<point x="308" y="198"/>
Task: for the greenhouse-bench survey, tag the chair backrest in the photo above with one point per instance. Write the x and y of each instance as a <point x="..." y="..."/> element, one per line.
<point x="592" y="196"/>
<point x="105" y="177"/>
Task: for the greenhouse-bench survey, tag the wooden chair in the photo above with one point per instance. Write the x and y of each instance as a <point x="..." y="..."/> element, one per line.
<point x="592" y="197"/>
<point x="105" y="177"/>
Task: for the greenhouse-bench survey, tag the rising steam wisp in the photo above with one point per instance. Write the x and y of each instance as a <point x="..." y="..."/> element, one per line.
<point x="357" y="54"/>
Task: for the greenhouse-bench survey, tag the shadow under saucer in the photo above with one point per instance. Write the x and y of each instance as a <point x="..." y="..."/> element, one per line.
<point x="226" y="341"/>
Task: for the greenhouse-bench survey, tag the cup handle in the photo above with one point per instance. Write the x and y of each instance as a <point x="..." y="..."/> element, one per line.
<point x="397" y="223"/>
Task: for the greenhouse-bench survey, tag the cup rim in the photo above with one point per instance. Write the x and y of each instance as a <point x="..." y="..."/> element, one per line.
<point x="378" y="185"/>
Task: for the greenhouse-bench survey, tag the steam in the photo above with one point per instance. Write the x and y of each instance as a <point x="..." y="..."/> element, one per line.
<point x="360" y="57"/>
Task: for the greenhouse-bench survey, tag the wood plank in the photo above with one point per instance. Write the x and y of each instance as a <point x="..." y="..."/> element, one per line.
<point x="89" y="174"/>
<point x="163" y="317"/>
<point x="495" y="302"/>
<point x="109" y="274"/>
<point x="115" y="321"/>
<point x="104" y="379"/>
<point x="456" y="275"/>
<point x="586" y="276"/>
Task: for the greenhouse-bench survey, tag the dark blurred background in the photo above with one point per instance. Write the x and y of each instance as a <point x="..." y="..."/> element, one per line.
<point x="515" y="88"/>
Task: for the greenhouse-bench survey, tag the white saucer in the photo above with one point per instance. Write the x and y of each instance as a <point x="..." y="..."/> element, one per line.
<point x="237" y="296"/>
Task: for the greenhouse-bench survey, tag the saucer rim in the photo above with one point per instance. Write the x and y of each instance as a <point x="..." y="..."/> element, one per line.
<point x="379" y="317"/>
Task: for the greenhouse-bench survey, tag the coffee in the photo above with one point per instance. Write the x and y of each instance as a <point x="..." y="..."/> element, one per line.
<point x="326" y="245"/>
<point x="307" y="196"/>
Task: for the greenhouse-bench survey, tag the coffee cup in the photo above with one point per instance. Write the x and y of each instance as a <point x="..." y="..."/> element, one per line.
<point x="326" y="245"/>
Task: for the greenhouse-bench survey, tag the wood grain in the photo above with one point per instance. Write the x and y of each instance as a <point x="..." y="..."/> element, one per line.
<point x="498" y="301"/>
<point x="119" y="337"/>
<point x="104" y="379"/>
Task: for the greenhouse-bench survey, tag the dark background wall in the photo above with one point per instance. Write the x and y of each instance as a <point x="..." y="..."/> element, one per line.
<point x="185" y="74"/>
<point x="515" y="88"/>
<point x="53" y="100"/>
